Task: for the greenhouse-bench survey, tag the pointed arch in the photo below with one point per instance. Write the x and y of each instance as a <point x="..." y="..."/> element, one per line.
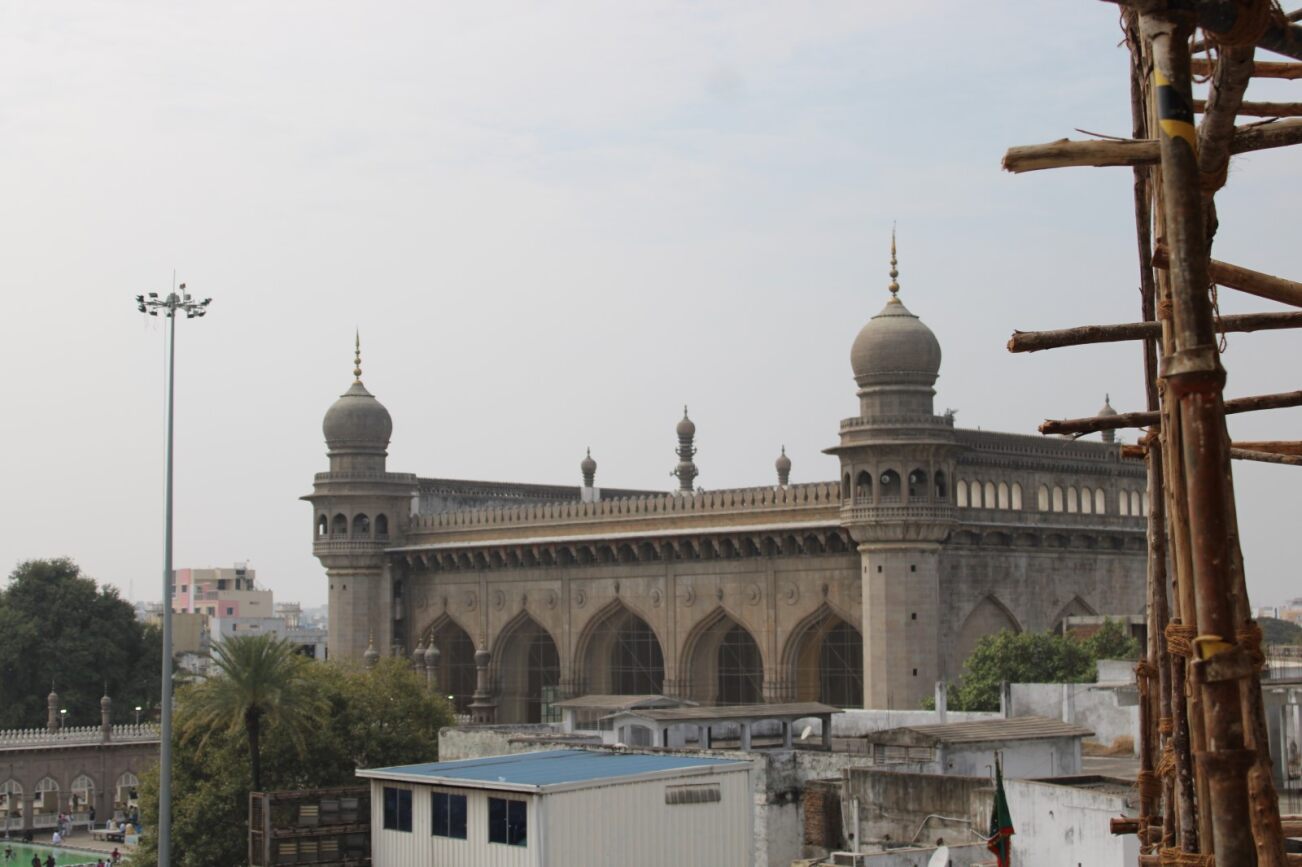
<point x="722" y="662"/>
<point x="988" y="616"/>
<point x="456" y="667"/>
<point x="125" y="793"/>
<point x="83" y="793"/>
<point x="960" y="488"/>
<point x="11" y="797"/>
<point x="526" y="669"/>
<point x="46" y="798"/>
<point x="1075" y="607"/>
<point x="823" y="658"/>
<point x="619" y="653"/>
<point x="1017" y="496"/>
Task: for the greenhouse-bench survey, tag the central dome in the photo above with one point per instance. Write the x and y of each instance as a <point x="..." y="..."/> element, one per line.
<point x="895" y="347"/>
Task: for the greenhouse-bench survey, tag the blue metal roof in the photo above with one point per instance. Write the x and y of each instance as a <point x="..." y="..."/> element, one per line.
<point x="547" y="768"/>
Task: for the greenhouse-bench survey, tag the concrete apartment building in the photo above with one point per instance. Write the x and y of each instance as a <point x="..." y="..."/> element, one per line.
<point x="860" y="590"/>
<point x="220" y="592"/>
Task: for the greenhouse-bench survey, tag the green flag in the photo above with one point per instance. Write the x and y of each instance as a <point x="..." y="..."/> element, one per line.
<point x="1001" y="823"/>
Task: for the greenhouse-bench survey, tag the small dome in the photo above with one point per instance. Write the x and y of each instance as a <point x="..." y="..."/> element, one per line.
<point x="895" y="347"/>
<point x="357" y="422"/>
<point x="783" y="463"/>
<point x="686" y="427"/>
<point x="1107" y="406"/>
<point x="588" y="465"/>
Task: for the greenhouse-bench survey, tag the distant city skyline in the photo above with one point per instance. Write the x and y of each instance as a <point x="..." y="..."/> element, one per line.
<point x="553" y="227"/>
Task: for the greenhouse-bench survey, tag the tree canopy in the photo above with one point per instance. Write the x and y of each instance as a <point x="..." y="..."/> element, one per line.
<point x="1276" y="631"/>
<point x="1035" y="657"/>
<point x="58" y="627"/>
<point x="366" y="719"/>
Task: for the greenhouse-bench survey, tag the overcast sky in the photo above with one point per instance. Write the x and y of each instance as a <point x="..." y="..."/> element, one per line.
<point x="555" y="224"/>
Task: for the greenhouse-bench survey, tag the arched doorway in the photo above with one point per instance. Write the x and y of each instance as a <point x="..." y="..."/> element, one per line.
<point x="825" y="660"/>
<point x="723" y="664"/>
<point x="621" y="655"/>
<point x="528" y="671"/>
<point x="456" y="668"/>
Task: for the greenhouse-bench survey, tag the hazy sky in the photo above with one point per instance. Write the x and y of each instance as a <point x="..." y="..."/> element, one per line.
<point x="554" y="224"/>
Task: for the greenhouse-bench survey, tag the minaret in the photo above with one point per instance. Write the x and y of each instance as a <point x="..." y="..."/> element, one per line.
<point x="483" y="710"/>
<point x="686" y="471"/>
<point x="897" y="464"/>
<point x="590" y="492"/>
<point x="1109" y="436"/>
<point x="783" y="466"/>
<point x="52" y="710"/>
<point x="105" y="716"/>
<point x="359" y="510"/>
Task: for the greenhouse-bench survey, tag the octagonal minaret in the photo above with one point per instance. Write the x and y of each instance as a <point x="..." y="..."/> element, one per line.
<point x="359" y="509"/>
<point x="897" y="462"/>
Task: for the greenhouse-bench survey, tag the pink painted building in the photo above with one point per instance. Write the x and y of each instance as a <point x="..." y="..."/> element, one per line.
<point x="228" y="592"/>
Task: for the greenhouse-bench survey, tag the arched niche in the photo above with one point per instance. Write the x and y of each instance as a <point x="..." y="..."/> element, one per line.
<point x="619" y="654"/>
<point x="1076" y="607"/>
<point x="456" y="666"/>
<point x="986" y="618"/>
<point x="528" y="670"/>
<point x="722" y="663"/>
<point x="824" y="660"/>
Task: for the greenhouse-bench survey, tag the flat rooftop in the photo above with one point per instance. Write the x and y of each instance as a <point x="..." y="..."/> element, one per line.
<point x="552" y="769"/>
<point x="1024" y="728"/>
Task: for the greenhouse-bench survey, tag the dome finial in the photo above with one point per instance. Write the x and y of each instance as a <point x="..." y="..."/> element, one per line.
<point x="357" y="356"/>
<point x="895" y="272"/>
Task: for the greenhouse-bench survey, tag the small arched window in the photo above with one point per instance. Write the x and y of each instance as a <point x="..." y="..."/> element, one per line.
<point x="1017" y="496"/>
<point x="942" y="486"/>
<point x="1086" y="501"/>
<point x="845" y="487"/>
<point x="339" y="525"/>
<point x="1144" y="503"/>
<point x="1135" y="508"/>
<point x="890" y="481"/>
<point x="974" y="494"/>
<point x="1123" y="503"/>
<point x="381" y="526"/>
<point x="989" y="498"/>
<point x="1071" y="498"/>
<point x="1042" y="498"/>
<point x="1100" y="501"/>
<point x="917" y="483"/>
<point x="361" y="525"/>
<point x="322" y="526"/>
<point x="1057" y="498"/>
<point x="863" y="486"/>
<point x="1003" y="495"/>
<point x="960" y="490"/>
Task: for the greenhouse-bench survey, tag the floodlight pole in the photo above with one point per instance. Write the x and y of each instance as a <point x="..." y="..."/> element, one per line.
<point x="192" y="309"/>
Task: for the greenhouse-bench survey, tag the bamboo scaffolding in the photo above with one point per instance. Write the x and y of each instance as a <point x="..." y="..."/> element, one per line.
<point x="1259" y="109"/>
<point x="1260" y="69"/>
<point x="1035" y="341"/>
<point x="1244" y="279"/>
<point x="1066" y="153"/>
<point x="1097" y="423"/>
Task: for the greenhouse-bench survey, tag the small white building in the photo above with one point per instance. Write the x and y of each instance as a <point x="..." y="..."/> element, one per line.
<point x="1031" y="747"/>
<point x="563" y="807"/>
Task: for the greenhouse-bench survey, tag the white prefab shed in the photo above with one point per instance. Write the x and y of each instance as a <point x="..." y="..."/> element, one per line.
<point x="558" y="808"/>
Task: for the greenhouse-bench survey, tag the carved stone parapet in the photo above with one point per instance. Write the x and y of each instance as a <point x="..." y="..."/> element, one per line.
<point x="899" y="523"/>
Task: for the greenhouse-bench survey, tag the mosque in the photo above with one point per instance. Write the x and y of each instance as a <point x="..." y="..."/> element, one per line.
<point x="860" y="591"/>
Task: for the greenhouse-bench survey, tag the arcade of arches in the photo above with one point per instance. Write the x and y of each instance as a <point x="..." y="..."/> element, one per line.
<point x="620" y="654"/>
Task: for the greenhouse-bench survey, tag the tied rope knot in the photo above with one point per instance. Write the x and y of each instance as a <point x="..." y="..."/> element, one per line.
<point x="1181" y="858"/>
<point x="1166" y="765"/>
<point x="1249" y="637"/>
<point x="1254" y="18"/>
<point x="1179" y="638"/>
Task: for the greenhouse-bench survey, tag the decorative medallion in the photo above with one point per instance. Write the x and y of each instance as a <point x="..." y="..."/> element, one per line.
<point x="551" y="599"/>
<point x="790" y="593"/>
<point x="580" y="598"/>
<point x="616" y="588"/>
<point x="753" y="594"/>
<point x="718" y="594"/>
<point x="470" y="601"/>
<point x="824" y="589"/>
<point x="689" y="596"/>
<point x="656" y="597"/>
<point x="499" y="600"/>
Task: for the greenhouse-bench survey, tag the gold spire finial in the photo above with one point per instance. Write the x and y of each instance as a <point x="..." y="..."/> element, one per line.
<point x="895" y="286"/>
<point x="357" y="356"/>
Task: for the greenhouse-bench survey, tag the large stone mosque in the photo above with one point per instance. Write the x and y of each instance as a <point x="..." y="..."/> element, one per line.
<point x="862" y="591"/>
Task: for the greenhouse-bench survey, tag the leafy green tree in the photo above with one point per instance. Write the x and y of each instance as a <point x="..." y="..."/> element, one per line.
<point x="368" y="719"/>
<point x="1276" y="631"/>
<point x="1035" y="657"/>
<point x="57" y="627"/>
<point x="258" y="681"/>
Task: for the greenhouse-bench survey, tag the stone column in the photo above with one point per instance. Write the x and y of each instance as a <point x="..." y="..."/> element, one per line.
<point x="483" y="710"/>
<point x="901" y="619"/>
<point x="52" y="711"/>
<point x="106" y="719"/>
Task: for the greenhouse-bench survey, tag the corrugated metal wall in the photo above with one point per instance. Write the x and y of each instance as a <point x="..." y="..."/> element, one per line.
<point x="630" y="825"/>
<point x="420" y="847"/>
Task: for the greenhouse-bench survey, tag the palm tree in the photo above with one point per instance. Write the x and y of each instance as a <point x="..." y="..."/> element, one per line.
<point x="257" y="682"/>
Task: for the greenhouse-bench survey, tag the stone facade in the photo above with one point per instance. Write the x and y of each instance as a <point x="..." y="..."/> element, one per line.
<point x="859" y="591"/>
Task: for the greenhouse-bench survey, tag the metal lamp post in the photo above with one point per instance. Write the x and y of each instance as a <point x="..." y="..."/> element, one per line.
<point x="138" y="716"/>
<point x="170" y="306"/>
